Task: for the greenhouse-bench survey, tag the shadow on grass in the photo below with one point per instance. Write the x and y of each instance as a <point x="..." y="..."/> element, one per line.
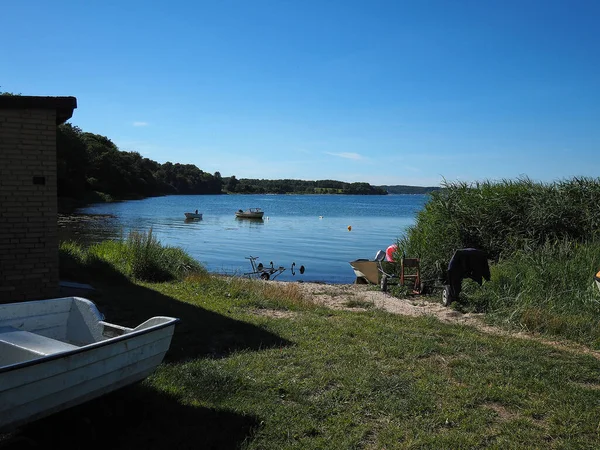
<point x="131" y="418"/>
<point x="201" y="333"/>
<point x="137" y="416"/>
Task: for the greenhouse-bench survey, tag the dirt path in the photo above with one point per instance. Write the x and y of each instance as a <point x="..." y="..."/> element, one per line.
<point x="339" y="296"/>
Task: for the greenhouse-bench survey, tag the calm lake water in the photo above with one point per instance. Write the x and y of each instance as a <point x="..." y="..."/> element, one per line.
<point x="292" y="230"/>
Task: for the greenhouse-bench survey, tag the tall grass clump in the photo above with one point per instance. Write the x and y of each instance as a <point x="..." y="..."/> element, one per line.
<point x="140" y="256"/>
<point x="252" y="293"/>
<point x="543" y="240"/>
<point x="549" y="290"/>
<point x="503" y="218"/>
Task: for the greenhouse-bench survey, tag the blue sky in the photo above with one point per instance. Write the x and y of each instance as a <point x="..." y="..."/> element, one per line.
<point x="387" y="92"/>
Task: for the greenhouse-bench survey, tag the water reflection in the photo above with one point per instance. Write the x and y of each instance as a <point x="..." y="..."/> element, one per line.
<point x="88" y="229"/>
<point x="251" y="221"/>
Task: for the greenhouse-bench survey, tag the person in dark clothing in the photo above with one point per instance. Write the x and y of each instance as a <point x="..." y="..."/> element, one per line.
<point x="466" y="263"/>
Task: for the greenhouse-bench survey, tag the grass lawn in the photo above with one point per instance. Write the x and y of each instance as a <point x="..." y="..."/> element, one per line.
<point x="256" y="366"/>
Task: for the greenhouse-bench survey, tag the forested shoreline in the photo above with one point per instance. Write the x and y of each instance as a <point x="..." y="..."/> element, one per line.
<point x="288" y="186"/>
<point x="403" y="189"/>
<point x="91" y="168"/>
<point x="91" y="165"/>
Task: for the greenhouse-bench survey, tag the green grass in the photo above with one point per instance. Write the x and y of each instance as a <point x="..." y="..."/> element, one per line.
<point x="355" y="303"/>
<point x="374" y="380"/>
<point x="239" y="376"/>
<point x="386" y="382"/>
<point x="549" y="290"/>
<point x="140" y="256"/>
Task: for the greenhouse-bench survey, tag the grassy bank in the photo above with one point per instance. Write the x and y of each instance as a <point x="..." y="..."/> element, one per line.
<point x="373" y="380"/>
<point x="544" y="244"/>
<point x="256" y="365"/>
<point x="504" y="218"/>
<point x="549" y="290"/>
<point x="140" y="256"/>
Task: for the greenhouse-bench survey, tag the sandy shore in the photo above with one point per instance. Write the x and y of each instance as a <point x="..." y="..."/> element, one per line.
<point x="337" y="296"/>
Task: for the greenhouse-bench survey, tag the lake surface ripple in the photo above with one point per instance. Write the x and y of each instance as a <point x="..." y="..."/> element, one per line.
<point x="310" y="230"/>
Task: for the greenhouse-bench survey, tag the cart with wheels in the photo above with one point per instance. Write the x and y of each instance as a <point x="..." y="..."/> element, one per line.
<point x="409" y="274"/>
<point x="269" y="272"/>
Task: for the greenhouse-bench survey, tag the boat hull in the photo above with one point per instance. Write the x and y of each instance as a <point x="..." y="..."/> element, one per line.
<point x="193" y="216"/>
<point x="38" y="387"/>
<point x="249" y="215"/>
<point x="366" y="271"/>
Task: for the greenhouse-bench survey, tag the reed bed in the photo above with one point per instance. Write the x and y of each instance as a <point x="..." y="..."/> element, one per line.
<point x="543" y="240"/>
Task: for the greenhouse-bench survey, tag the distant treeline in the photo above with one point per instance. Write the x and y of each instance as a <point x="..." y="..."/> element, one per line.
<point x="92" y="165"/>
<point x="401" y="189"/>
<point x="253" y="186"/>
<point x="92" y="168"/>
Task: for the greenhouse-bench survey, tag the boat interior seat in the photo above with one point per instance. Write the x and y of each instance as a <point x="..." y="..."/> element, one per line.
<point x="33" y="342"/>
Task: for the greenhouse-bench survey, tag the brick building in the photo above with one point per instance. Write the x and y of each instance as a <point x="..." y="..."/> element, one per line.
<point x="28" y="204"/>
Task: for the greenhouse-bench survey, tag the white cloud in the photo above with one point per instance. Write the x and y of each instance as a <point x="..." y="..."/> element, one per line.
<point x="140" y="124"/>
<point x="346" y="155"/>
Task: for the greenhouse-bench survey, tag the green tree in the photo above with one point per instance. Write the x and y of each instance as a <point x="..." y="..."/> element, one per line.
<point x="232" y="184"/>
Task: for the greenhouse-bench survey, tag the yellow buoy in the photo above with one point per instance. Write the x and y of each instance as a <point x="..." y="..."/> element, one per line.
<point x="349" y="228"/>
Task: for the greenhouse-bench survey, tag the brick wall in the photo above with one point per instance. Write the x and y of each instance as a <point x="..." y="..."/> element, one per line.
<point x="28" y="208"/>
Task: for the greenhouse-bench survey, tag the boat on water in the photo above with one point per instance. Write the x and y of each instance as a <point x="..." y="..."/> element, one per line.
<point x="58" y="353"/>
<point x="251" y="213"/>
<point x="193" y="215"/>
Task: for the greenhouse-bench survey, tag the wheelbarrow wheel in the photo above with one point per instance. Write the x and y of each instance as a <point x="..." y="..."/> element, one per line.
<point x="384" y="283"/>
<point x="446" y="299"/>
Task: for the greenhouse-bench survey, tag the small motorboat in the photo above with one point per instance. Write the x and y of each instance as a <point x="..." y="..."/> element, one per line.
<point x="59" y="353"/>
<point x="252" y="213"/>
<point x="193" y="215"/>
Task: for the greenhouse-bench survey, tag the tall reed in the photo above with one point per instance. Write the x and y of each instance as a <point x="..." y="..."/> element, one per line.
<point x="549" y="290"/>
<point x="503" y="217"/>
<point x="543" y="240"/>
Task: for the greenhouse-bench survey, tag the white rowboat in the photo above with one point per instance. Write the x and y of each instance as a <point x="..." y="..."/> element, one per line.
<point x="59" y="353"/>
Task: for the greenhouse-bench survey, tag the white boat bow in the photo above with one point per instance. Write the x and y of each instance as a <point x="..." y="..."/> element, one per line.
<point x="58" y="353"/>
